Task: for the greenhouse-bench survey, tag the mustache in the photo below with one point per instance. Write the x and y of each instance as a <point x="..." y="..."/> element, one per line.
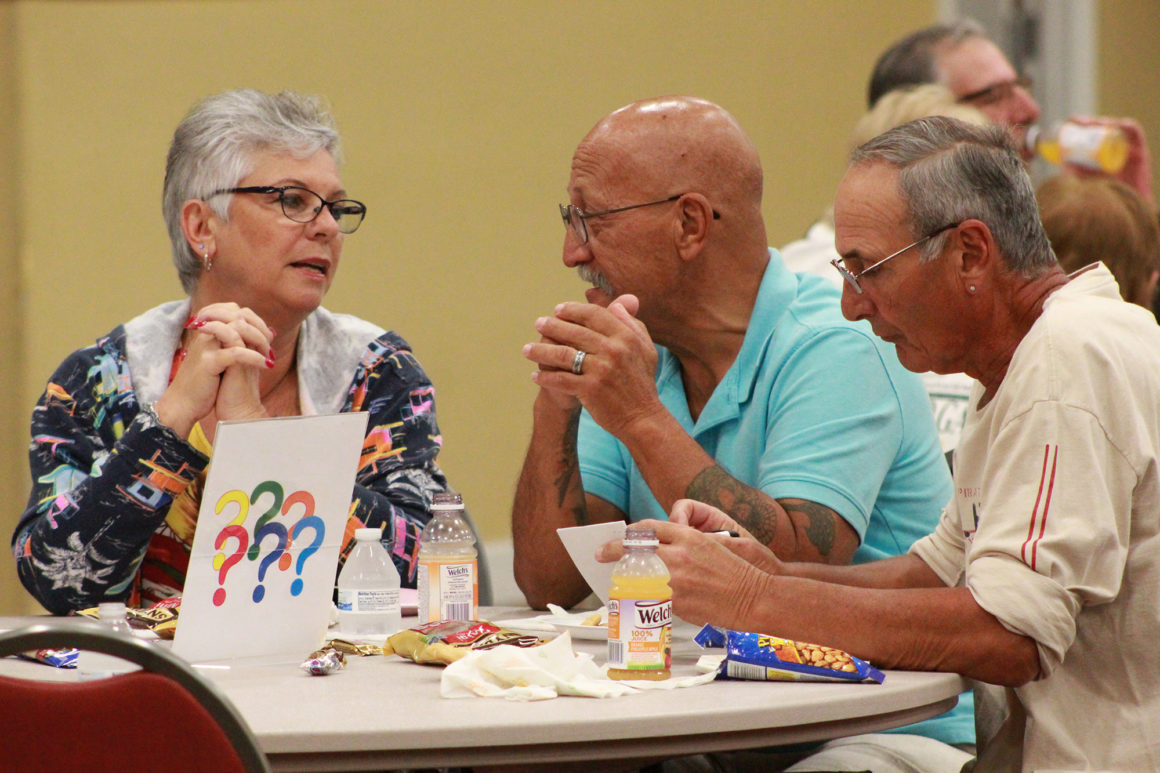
<point x="596" y="279"/>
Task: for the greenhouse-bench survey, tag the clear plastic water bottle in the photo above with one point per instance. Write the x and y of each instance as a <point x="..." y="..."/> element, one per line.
<point x="1100" y="147"/>
<point x="368" y="588"/>
<point x="98" y="665"/>
<point x="448" y="564"/>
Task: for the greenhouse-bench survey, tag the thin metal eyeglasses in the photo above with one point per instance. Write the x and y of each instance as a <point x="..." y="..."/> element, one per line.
<point x="302" y="205"/>
<point x="1000" y="92"/>
<point x="577" y="219"/>
<point x="853" y="278"/>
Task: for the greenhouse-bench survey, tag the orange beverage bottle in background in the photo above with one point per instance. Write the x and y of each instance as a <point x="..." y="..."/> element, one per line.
<point x="1102" y="148"/>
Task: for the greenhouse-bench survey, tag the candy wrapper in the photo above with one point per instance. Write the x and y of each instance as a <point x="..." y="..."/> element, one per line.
<point x="161" y="618"/>
<point x="328" y="660"/>
<point x="63" y="658"/>
<point x="446" y="641"/>
<point x="763" y="657"/>
<point x="347" y="647"/>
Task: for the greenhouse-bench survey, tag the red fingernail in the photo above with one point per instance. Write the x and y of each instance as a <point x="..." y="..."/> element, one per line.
<point x="189" y="322"/>
<point x="273" y="332"/>
<point x="269" y="362"/>
<point x="270" y="355"/>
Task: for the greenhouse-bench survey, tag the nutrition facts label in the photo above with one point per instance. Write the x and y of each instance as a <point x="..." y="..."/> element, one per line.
<point x="447" y="590"/>
<point x="639" y="634"/>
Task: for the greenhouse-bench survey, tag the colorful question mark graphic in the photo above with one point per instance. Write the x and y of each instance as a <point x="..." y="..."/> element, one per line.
<point x="274" y="488"/>
<point x="279" y="550"/>
<point x="306" y="499"/>
<point x="238" y="498"/>
<point x="234" y="528"/>
<point x="319" y="526"/>
<point x="238" y="533"/>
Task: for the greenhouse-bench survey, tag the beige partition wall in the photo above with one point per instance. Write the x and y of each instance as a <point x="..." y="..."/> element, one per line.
<point x="15" y="407"/>
<point x="1129" y="68"/>
<point x="459" y="120"/>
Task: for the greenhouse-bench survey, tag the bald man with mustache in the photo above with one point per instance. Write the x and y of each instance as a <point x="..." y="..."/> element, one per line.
<point x="701" y="368"/>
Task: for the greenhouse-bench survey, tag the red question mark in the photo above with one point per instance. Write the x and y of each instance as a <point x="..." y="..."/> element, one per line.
<point x="306" y="499"/>
<point x="243" y="538"/>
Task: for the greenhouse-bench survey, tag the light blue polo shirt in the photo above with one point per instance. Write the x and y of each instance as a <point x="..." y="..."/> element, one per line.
<point x="814" y="407"/>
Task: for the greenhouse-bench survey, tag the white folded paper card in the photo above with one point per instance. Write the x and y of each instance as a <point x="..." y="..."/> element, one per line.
<point x="247" y="595"/>
<point x="581" y="543"/>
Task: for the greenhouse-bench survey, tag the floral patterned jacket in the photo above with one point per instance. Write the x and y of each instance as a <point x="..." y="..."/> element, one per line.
<point x="98" y="525"/>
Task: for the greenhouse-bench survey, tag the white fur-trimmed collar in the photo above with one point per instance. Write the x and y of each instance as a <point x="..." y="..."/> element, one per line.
<point x="330" y="347"/>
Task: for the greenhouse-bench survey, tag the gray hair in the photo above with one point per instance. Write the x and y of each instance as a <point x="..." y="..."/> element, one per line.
<point x="914" y="59"/>
<point x="214" y="145"/>
<point x="950" y="171"/>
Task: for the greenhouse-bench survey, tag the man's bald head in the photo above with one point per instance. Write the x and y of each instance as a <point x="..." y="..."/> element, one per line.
<point x="677" y="144"/>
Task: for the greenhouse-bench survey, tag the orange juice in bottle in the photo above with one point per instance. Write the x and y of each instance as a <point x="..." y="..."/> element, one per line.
<point x="1099" y="147"/>
<point x="640" y="610"/>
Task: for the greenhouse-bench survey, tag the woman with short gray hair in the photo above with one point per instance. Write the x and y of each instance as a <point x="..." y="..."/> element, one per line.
<point x="257" y="215"/>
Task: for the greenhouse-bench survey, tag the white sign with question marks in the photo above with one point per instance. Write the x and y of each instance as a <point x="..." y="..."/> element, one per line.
<point x="269" y="532"/>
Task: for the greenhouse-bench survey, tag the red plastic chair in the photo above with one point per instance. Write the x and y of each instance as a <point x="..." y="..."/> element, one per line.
<point x="165" y="717"/>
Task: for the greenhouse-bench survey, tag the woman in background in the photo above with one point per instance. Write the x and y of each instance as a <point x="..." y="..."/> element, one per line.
<point x="1098" y="219"/>
<point x="122" y="436"/>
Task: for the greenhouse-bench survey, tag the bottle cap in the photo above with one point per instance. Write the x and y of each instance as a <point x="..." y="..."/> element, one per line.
<point x="447" y="500"/>
<point x="1032" y="136"/>
<point x="110" y="610"/>
<point x="636" y="536"/>
<point x="369" y="533"/>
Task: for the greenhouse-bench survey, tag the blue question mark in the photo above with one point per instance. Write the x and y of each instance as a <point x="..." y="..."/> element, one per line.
<point x="309" y="522"/>
<point x="279" y="531"/>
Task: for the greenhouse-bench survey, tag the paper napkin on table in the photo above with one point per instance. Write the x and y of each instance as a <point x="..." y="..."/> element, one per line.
<point x="539" y="673"/>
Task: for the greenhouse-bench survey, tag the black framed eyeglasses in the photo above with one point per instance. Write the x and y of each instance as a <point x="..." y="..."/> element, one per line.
<point x="852" y="277"/>
<point x="999" y="92"/>
<point x="577" y="219"/>
<point x="302" y="205"/>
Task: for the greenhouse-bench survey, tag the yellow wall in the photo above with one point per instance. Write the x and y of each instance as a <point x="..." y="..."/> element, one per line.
<point x="459" y="120"/>
<point x="15" y="407"/>
<point x="1129" y="72"/>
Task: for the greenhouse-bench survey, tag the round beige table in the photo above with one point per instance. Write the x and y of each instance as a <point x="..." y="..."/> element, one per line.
<point x="385" y="712"/>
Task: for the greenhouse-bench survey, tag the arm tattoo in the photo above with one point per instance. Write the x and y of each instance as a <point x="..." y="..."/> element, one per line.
<point x="744" y="504"/>
<point x="570" y="470"/>
<point x="820" y="529"/>
<point x="747" y="506"/>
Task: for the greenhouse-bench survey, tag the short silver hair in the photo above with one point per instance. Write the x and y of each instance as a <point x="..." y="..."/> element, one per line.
<point x="949" y="171"/>
<point x="214" y="146"/>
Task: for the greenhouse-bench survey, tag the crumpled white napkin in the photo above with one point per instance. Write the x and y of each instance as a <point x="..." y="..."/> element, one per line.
<point x="539" y="673"/>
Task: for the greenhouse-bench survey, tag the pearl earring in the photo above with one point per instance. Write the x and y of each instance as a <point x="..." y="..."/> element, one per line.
<point x="970" y="288"/>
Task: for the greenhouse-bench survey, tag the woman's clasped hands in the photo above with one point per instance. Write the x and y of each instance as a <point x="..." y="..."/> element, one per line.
<point x="216" y="374"/>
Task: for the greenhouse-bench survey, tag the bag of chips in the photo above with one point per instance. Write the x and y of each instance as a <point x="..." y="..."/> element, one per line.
<point x="446" y="641"/>
<point x="763" y="657"/>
